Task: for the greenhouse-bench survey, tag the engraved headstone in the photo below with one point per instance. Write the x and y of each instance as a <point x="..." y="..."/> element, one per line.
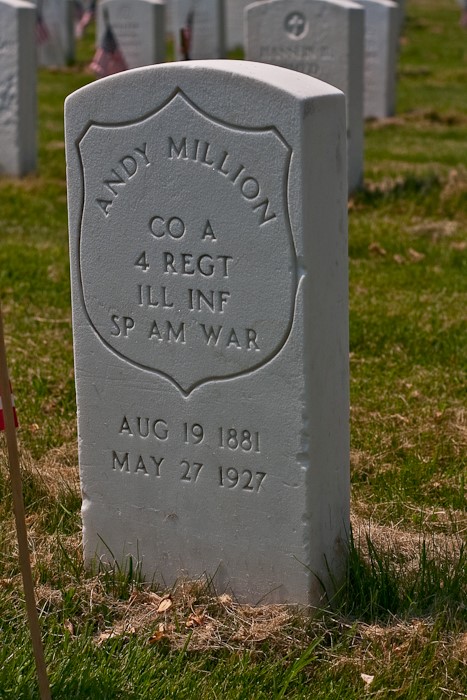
<point x="138" y="27"/>
<point x="55" y="32"/>
<point x="17" y="88"/>
<point x="207" y="214"/>
<point x="381" y="39"/>
<point x="323" y="38"/>
<point x="199" y="27"/>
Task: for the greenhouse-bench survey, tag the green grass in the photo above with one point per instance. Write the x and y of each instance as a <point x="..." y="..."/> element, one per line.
<point x="401" y="614"/>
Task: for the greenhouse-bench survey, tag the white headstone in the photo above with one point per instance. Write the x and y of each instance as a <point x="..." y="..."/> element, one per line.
<point x="169" y="18"/>
<point x="381" y="38"/>
<point x="324" y="39"/>
<point x="234" y="20"/>
<point x="55" y="32"/>
<point x="138" y="27"/>
<point x="207" y="213"/>
<point x="401" y="6"/>
<point x="17" y="87"/>
<point x="204" y="21"/>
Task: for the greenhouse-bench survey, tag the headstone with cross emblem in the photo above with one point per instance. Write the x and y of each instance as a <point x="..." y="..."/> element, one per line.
<point x="17" y="88"/>
<point x="381" y="42"/>
<point x="199" y="27"/>
<point x="323" y="38"/>
<point x="138" y="27"/>
<point x="295" y="25"/>
<point x="207" y="213"/>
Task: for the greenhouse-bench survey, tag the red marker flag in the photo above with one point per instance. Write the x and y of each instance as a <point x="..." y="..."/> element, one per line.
<point x="2" y="419"/>
<point x="108" y="58"/>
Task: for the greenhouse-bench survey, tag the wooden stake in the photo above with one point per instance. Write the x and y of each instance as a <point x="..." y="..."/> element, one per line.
<point x="18" y="506"/>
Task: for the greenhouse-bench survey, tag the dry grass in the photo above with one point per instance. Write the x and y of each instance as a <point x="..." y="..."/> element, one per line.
<point x="406" y="546"/>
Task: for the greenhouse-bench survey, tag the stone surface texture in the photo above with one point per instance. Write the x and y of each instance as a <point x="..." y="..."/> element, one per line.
<point x="138" y="27"/>
<point x="381" y="41"/>
<point x="208" y="238"/>
<point x="58" y="49"/>
<point x="17" y="88"/>
<point x="208" y="27"/>
<point x="323" y="38"/>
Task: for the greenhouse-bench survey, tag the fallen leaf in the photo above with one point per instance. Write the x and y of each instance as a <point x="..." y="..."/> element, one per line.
<point x="165" y="604"/>
<point x="153" y="598"/>
<point x="400" y="418"/>
<point x="225" y="599"/>
<point x="366" y="678"/>
<point x="6" y="582"/>
<point x="399" y="259"/>
<point x="103" y="637"/>
<point x="156" y="637"/>
<point x="194" y="620"/>
<point x="415" y="256"/>
<point x="376" y="248"/>
<point x="459" y="245"/>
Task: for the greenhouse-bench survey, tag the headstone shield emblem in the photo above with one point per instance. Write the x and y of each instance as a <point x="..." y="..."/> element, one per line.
<point x="193" y="288"/>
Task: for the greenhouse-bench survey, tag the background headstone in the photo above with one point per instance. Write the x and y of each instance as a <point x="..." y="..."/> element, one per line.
<point x="169" y="16"/>
<point x="55" y="32"/>
<point x="207" y="213"/>
<point x="324" y="39"/>
<point x="401" y="5"/>
<point x="138" y="27"/>
<point x="234" y="21"/>
<point x="17" y="87"/>
<point x="381" y="42"/>
<point x="204" y="20"/>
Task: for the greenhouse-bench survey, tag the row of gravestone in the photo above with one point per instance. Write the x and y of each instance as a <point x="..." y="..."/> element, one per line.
<point x="337" y="41"/>
<point x="221" y="24"/>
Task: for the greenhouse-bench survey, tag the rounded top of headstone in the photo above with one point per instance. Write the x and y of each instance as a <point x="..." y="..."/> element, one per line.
<point x="19" y="4"/>
<point x="297" y="84"/>
<point x="349" y="4"/>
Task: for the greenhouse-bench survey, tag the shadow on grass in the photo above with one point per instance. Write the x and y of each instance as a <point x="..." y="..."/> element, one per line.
<point x="382" y="584"/>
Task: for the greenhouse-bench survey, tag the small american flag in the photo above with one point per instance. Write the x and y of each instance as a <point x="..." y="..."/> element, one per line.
<point x="85" y="19"/>
<point x="42" y="33"/>
<point x="108" y="58"/>
<point x="2" y="418"/>
<point x="186" y="33"/>
<point x="78" y="8"/>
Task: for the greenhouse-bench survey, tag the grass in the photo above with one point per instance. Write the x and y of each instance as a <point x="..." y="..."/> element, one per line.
<point x="398" y="626"/>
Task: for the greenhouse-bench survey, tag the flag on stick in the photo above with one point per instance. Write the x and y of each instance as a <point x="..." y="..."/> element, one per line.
<point x="108" y="58"/>
<point x="18" y="506"/>
<point x="78" y="8"/>
<point x="42" y="32"/>
<point x="85" y="19"/>
<point x="2" y="418"/>
<point x="186" y="34"/>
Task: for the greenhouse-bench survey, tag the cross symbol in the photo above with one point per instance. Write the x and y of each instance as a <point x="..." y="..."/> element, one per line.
<point x="295" y="24"/>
